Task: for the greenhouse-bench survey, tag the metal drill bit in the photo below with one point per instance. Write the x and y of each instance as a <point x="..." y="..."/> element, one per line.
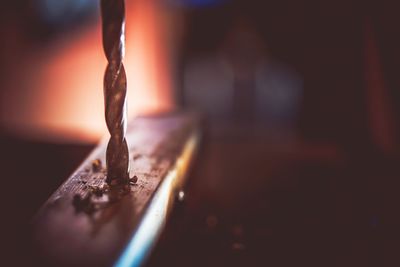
<point x="117" y="156"/>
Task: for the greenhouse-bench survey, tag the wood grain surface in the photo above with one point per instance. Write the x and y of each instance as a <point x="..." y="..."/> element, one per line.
<point x="84" y="223"/>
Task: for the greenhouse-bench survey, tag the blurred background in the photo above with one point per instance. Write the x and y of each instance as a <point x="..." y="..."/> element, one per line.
<point x="299" y="163"/>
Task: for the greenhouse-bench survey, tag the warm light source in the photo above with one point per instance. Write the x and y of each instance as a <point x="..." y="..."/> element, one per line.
<point x="60" y="96"/>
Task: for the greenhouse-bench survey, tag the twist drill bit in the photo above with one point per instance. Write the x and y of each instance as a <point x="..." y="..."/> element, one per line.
<point x="113" y="25"/>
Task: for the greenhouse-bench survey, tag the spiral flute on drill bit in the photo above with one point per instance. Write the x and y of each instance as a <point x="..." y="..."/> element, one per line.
<point x="117" y="155"/>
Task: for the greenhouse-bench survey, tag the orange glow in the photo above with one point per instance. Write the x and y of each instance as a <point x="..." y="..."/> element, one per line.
<point x="61" y="95"/>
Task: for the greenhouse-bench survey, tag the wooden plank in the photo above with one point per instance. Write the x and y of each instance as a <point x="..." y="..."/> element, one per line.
<point x="85" y="223"/>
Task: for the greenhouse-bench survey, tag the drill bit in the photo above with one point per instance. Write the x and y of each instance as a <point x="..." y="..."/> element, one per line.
<point x="117" y="155"/>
